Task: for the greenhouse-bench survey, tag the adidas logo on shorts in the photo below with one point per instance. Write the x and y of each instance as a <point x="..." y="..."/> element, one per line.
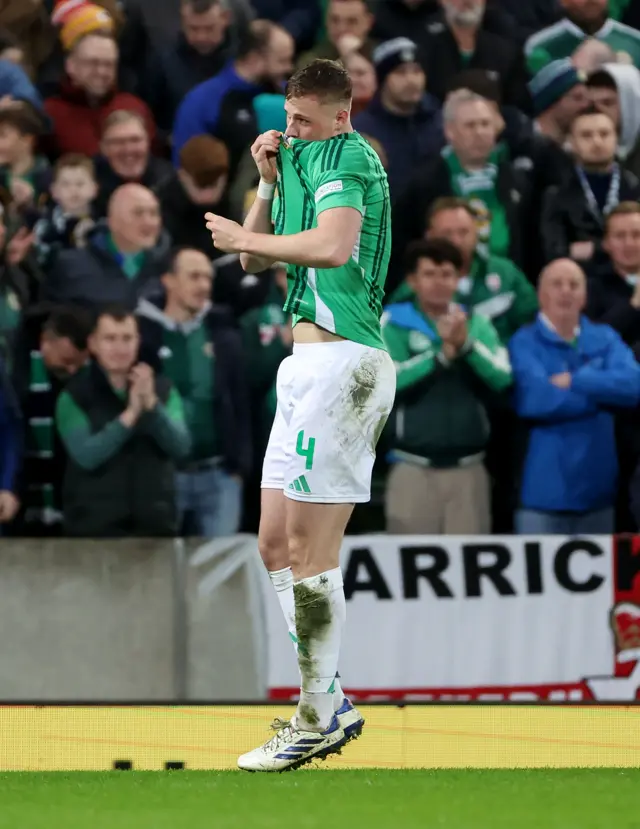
<point x="300" y="485"/>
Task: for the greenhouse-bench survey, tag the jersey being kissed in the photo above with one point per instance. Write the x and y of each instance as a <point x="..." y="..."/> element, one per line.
<point x="313" y="176"/>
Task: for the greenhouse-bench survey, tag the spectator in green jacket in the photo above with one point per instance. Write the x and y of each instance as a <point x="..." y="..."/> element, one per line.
<point x="124" y="430"/>
<point x="491" y="285"/>
<point x="450" y="363"/>
<point x="497" y="289"/>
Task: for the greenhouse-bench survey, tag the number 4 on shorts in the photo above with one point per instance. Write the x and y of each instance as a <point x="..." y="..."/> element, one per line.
<point x="308" y="452"/>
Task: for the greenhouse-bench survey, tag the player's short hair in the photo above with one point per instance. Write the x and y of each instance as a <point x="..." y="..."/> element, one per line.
<point x="74" y="161"/>
<point x="326" y="80"/>
<point x="624" y="208"/>
<point x="71" y="323"/>
<point x="439" y="251"/>
<point x="445" y="203"/>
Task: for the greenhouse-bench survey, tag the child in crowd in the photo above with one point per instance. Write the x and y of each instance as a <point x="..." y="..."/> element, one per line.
<point x="24" y="174"/>
<point x="69" y="219"/>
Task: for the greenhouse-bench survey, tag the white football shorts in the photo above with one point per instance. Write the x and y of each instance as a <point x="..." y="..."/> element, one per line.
<point x="333" y="401"/>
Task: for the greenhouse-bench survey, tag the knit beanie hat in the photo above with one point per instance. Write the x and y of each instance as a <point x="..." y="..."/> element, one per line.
<point x="552" y="82"/>
<point x="77" y="18"/>
<point x="392" y="54"/>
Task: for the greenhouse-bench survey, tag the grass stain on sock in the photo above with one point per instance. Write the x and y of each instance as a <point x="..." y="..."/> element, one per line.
<point x="313" y="617"/>
<point x="308" y="714"/>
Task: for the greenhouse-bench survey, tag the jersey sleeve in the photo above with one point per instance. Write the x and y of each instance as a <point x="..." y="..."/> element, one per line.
<point x="341" y="181"/>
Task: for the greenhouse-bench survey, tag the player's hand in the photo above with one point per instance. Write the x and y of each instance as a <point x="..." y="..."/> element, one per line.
<point x="227" y="236"/>
<point x="264" y="150"/>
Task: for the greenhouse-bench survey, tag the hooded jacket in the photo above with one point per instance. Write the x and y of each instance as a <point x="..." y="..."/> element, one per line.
<point x="627" y="80"/>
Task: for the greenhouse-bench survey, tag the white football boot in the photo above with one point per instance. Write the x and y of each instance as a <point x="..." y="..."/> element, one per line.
<point x="350" y="719"/>
<point x="291" y="747"/>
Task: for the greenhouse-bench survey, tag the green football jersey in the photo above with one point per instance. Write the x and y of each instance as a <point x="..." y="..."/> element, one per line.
<point x="314" y="176"/>
<point x="563" y="38"/>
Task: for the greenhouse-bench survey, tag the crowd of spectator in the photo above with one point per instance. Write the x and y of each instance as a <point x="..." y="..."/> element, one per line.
<point x="138" y="364"/>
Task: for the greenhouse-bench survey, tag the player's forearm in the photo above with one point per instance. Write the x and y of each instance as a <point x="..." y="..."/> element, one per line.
<point x="310" y="249"/>
<point x="258" y="220"/>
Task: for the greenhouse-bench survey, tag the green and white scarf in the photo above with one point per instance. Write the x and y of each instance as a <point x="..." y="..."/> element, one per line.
<point x="479" y="188"/>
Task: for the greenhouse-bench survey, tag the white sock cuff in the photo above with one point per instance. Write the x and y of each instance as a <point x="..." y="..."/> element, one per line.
<point x="281" y="579"/>
<point x="327" y="582"/>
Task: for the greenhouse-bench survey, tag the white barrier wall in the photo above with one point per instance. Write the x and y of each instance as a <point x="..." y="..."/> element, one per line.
<point x="427" y="618"/>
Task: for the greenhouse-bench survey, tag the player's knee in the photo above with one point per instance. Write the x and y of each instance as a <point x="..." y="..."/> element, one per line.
<point x="273" y="550"/>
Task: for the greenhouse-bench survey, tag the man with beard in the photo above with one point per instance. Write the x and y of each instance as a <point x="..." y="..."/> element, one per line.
<point x="223" y="105"/>
<point x="402" y="116"/>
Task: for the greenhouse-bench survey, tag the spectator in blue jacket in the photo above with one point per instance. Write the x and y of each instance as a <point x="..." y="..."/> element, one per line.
<point x="10" y="450"/>
<point x="223" y="106"/>
<point x="402" y="116"/>
<point x="570" y="376"/>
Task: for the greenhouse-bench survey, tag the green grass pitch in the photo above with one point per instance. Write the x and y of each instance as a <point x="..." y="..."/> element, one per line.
<point x="311" y="799"/>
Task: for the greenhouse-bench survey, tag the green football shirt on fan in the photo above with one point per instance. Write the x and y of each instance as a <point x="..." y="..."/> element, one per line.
<point x="314" y="176"/>
<point x="563" y="38"/>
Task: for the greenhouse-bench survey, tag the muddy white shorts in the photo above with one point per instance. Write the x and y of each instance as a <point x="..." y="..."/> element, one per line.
<point x="333" y="401"/>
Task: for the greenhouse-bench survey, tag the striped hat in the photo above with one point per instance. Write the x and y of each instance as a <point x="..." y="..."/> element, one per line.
<point x="553" y="82"/>
<point x="77" y="18"/>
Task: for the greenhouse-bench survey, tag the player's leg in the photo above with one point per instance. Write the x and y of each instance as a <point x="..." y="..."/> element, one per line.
<point x="315" y="532"/>
<point x="272" y="537"/>
<point x="274" y="550"/>
<point x="343" y="395"/>
<point x="337" y="427"/>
